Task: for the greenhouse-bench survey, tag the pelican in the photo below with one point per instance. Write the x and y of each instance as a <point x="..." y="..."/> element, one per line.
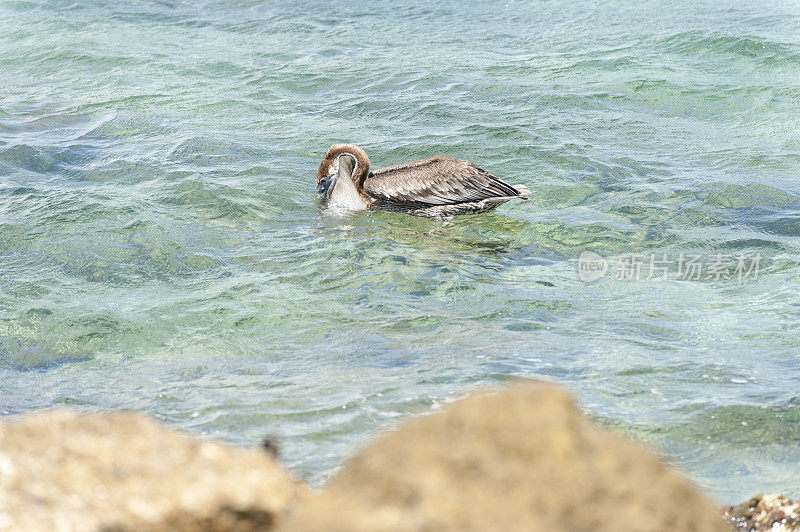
<point x="439" y="187"/>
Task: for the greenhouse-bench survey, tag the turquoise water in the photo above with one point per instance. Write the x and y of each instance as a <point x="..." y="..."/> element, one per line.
<point x="160" y="248"/>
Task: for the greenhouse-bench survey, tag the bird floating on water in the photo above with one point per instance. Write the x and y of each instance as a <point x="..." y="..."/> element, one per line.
<point x="439" y="187"/>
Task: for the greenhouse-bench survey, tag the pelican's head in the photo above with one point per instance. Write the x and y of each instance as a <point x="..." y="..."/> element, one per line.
<point x="341" y="176"/>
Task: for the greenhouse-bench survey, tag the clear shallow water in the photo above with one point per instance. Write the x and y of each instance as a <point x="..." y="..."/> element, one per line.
<point x="160" y="248"/>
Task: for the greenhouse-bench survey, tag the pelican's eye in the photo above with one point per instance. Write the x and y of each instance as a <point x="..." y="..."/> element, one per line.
<point x="322" y="185"/>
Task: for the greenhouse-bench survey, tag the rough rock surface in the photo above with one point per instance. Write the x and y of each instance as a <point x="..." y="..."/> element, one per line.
<point x="524" y="459"/>
<point x="60" y="470"/>
<point x="765" y="512"/>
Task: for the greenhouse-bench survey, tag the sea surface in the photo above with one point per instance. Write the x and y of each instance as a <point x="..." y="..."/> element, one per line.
<point x="161" y="249"/>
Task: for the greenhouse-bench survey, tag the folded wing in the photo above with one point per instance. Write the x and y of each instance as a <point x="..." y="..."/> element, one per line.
<point x="436" y="181"/>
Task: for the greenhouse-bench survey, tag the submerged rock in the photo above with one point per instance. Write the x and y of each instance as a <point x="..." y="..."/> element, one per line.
<point x="524" y="459"/>
<point x="60" y="470"/>
<point x="765" y="512"/>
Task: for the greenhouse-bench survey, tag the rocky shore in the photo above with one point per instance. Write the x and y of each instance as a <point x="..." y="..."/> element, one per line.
<point x="60" y="470"/>
<point x="765" y="512"/>
<point x="521" y="459"/>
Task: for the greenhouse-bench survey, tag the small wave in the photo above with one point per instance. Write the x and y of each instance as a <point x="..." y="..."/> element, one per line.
<point x="696" y="42"/>
<point x="39" y="357"/>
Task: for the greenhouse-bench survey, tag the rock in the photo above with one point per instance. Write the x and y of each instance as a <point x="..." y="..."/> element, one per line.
<point x="61" y="470"/>
<point x="524" y="459"/>
<point x="765" y="512"/>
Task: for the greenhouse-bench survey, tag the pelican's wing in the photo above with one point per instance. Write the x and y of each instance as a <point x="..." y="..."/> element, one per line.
<point x="436" y="181"/>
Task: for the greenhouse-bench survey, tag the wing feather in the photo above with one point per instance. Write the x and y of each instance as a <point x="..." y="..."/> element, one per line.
<point x="436" y="181"/>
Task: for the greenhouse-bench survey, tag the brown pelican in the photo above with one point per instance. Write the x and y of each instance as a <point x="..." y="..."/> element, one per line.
<point x="439" y="187"/>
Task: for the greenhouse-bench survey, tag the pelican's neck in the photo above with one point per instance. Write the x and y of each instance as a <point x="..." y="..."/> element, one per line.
<point x="346" y="197"/>
<point x="348" y="191"/>
<point x="361" y="168"/>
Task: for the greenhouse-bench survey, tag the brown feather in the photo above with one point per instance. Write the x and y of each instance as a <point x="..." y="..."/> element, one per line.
<point x="438" y="180"/>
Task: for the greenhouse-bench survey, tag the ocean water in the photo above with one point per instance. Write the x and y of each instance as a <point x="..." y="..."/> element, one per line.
<point x="161" y="248"/>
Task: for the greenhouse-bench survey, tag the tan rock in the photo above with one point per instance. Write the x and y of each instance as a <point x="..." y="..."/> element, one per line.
<point x="524" y="459"/>
<point x="64" y="471"/>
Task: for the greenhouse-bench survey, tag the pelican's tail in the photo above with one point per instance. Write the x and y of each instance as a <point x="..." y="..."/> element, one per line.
<point x="524" y="192"/>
